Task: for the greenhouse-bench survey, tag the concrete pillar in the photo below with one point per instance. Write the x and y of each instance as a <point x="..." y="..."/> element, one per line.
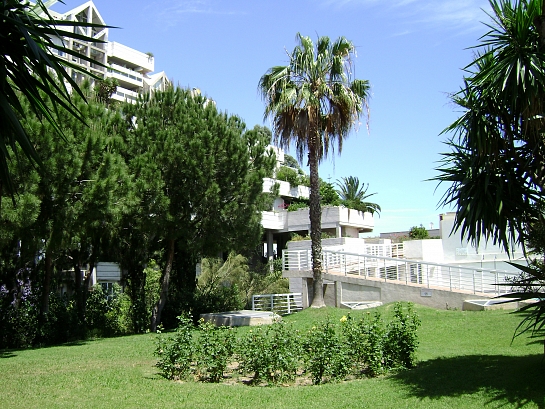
<point x="308" y="295"/>
<point x="339" y="232"/>
<point x="338" y="293"/>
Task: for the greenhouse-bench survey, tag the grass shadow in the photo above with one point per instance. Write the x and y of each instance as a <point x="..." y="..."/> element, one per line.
<point x="7" y="354"/>
<point x="509" y="380"/>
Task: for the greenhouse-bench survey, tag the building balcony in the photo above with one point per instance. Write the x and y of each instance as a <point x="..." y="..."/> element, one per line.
<point x="127" y="78"/>
<point x="130" y="58"/>
<point x="123" y="94"/>
<point x="333" y="217"/>
<point x="285" y="189"/>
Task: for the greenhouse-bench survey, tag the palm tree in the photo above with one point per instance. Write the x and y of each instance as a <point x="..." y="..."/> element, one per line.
<point x="353" y="195"/>
<point x="496" y="167"/>
<point x="314" y="103"/>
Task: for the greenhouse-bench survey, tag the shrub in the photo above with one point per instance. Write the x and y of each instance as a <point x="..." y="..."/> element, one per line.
<point x="326" y="356"/>
<point x="176" y="353"/>
<point x="401" y="338"/>
<point x="418" y="233"/>
<point x="365" y="339"/>
<point x="288" y="175"/>
<point x="271" y="353"/>
<point x="214" y="349"/>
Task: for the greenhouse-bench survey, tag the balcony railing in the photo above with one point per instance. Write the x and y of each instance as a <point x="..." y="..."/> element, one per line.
<point x="403" y="271"/>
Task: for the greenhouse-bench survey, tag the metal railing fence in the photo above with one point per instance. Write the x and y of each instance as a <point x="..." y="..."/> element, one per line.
<point x="403" y="271"/>
<point x="281" y="304"/>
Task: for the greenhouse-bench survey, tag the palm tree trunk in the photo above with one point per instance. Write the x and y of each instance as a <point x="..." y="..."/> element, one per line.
<point x="315" y="214"/>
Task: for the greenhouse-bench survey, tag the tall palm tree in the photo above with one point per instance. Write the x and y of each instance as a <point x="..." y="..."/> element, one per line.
<point x="353" y="195"/>
<point x="314" y="103"/>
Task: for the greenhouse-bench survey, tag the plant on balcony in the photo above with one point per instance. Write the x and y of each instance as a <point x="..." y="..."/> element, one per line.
<point x="353" y="195"/>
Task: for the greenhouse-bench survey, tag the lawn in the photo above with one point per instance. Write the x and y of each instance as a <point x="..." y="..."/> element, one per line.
<point x="466" y="360"/>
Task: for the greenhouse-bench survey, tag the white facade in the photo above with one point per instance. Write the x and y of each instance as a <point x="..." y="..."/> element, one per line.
<point x="279" y="223"/>
<point x="131" y="68"/>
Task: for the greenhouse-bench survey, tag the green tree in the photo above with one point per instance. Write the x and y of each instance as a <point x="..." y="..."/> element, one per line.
<point x="30" y="66"/>
<point x="418" y="233"/>
<point x="353" y="195"/>
<point x="496" y="165"/>
<point x="314" y="102"/>
<point x="201" y="176"/>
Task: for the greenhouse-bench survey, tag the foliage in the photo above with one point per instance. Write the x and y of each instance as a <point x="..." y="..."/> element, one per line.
<point x="291" y="162"/>
<point x="176" y="353"/>
<point x="108" y="314"/>
<point x="18" y="315"/>
<point x="214" y="349"/>
<point x="104" y="89"/>
<point x="198" y="168"/>
<point x="314" y="103"/>
<point x="278" y="353"/>
<point x="366" y="337"/>
<point x="353" y="195"/>
<point x="297" y="204"/>
<point x="401" y="339"/>
<point x="326" y="355"/>
<point x="418" y="233"/>
<point x="31" y="66"/>
<point x="328" y="195"/>
<point x="494" y="169"/>
<point x="298" y="237"/>
<point x="221" y="285"/>
<point x="271" y="353"/>
<point x="288" y="175"/>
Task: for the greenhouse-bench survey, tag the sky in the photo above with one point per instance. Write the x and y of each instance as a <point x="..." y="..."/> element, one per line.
<point x="411" y="51"/>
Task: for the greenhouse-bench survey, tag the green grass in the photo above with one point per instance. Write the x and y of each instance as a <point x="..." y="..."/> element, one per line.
<point x="466" y="361"/>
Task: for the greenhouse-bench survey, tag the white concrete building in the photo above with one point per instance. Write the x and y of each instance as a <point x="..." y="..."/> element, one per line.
<point x="131" y="68"/>
<point x="279" y="224"/>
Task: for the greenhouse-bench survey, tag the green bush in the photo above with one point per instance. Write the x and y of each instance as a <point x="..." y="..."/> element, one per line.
<point x="277" y="353"/>
<point x="288" y="175"/>
<point x="213" y="351"/>
<point x="326" y="355"/>
<point x="401" y="340"/>
<point x="271" y="353"/>
<point x="176" y="353"/>
<point x="418" y="233"/>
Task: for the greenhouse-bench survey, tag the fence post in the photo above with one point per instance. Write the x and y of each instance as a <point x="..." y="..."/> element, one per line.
<point x="289" y="303"/>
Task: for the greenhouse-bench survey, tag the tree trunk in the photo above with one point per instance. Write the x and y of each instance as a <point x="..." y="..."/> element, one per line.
<point x="46" y="288"/>
<point x="78" y="278"/>
<point x="165" y="281"/>
<point x="315" y="214"/>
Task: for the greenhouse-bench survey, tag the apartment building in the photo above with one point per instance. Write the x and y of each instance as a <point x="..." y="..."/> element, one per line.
<point x="279" y="224"/>
<point x="132" y="69"/>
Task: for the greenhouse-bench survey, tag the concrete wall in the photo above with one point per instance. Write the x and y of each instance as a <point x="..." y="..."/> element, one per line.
<point x="430" y="250"/>
<point x="346" y="289"/>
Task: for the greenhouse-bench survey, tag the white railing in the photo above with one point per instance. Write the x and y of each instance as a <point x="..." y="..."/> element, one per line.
<point x="282" y="304"/>
<point x="403" y="271"/>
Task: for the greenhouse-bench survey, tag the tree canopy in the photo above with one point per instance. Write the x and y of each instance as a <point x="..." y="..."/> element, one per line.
<point x="32" y="68"/>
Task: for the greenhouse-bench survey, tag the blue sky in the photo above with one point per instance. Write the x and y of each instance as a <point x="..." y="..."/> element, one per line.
<point x="411" y="51"/>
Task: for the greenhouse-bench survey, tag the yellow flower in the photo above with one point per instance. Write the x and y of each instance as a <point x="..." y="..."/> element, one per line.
<point x="344" y="318"/>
